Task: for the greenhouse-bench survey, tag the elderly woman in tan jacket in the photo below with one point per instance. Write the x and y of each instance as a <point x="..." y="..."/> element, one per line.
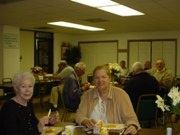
<point x="107" y="103"/>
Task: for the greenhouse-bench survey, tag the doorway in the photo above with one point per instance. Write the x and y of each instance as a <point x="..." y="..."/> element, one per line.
<point x="44" y="51"/>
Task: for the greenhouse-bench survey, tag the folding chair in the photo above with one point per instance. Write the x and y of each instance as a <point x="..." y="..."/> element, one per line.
<point x="147" y="111"/>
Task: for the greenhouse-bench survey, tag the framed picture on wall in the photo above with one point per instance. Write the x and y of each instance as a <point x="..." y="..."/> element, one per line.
<point x="64" y="48"/>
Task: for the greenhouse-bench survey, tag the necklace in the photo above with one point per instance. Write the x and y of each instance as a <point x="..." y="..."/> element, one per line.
<point x="21" y="102"/>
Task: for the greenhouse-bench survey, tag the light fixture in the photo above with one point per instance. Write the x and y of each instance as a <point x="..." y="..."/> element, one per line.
<point x="96" y="3"/>
<point x="121" y="10"/>
<point x="77" y="26"/>
<point x="110" y="6"/>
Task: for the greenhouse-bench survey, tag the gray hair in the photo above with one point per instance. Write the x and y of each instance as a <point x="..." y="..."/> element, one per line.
<point x="80" y="65"/>
<point x="19" y="77"/>
<point x="63" y="61"/>
<point x="137" y="66"/>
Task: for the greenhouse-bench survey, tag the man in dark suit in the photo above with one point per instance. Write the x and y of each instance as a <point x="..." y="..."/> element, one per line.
<point x="140" y="83"/>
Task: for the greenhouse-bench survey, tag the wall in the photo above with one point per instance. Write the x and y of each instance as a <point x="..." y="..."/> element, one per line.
<point x="27" y="39"/>
<point x="124" y="37"/>
<point x="26" y="50"/>
<point x="1" y="53"/>
<point x="59" y="38"/>
<point x="11" y="51"/>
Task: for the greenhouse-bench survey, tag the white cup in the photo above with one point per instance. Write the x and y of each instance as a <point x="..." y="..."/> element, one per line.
<point x="69" y="129"/>
<point x="169" y="131"/>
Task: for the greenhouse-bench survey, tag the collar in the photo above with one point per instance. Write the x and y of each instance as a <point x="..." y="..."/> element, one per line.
<point x="161" y="70"/>
<point x="96" y="94"/>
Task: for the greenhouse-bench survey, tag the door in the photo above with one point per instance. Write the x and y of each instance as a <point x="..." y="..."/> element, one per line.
<point x="44" y="53"/>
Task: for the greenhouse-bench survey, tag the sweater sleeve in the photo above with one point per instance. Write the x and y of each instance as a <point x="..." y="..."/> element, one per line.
<point x="9" y="123"/>
<point x="127" y="112"/>
<point x="82" y="112"/>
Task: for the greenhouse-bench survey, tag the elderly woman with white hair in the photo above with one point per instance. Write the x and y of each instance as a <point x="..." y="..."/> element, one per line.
<point x="17" y="116"/>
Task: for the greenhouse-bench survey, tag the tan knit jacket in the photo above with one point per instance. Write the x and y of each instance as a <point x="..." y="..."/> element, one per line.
<point x="118" y="108"/>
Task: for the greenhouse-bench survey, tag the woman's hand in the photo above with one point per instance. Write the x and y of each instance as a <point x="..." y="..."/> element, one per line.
<point x="85" y="86"/>
<point x="54" y="118"/>
<point x="132" y="130"/>
<point x="42" y="122"/>
<point x="90" y="123"/>
<point x="48" y="120"/>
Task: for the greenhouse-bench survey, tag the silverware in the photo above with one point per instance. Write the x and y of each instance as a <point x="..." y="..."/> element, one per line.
<point x="122" y="131"/>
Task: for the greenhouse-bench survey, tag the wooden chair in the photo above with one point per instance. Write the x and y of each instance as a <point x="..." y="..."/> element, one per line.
<point x="147" y="110"/>
<point x="66" y="113"/>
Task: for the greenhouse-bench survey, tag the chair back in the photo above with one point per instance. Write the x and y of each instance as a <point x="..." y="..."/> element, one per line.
<point x="146" y="110"/>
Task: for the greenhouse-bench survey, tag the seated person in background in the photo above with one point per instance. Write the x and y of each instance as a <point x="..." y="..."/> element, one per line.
<point x="57" y="90"/>
<point x="123" y="73"/>
<point x="107" y="103"/>
<point x="124" y="70"/>
<point x="38" y="72"/>
<point x="147" y="65"/>
<point x="17" y="116"/>
<point x="163" y="75"/>
<point x="63" y="70"/>
<point x="72" y="89"/>
<point x="140" y="83"/>
<point x="61" y="66"/>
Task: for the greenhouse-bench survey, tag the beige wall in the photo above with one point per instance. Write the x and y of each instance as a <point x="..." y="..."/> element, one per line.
<point x="26" y="39"/>
<point x="26" y="50"/>
<point x="124" y="37"/>
<point x="1" y="53"/>
<point x="59" y="38"/>
<point x="11" y="51"/>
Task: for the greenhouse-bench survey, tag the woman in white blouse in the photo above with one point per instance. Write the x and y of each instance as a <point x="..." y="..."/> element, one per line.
<point x="107" y="103"/>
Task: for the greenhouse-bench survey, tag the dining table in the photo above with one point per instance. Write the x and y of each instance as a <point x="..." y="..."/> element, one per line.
<point x="155" y="131"/>
<point x="57" y="130"/>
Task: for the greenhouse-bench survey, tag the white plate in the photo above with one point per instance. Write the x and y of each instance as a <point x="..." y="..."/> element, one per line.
<point x="114" y="126"/>
<point x="52" y="130"/>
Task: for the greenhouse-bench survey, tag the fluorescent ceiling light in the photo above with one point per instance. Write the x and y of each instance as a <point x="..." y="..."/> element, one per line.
<point x="77" y="26"/>
<point x="96" y="3"/>
<point x="110" y="6"/>
<point x="121" y="10"/>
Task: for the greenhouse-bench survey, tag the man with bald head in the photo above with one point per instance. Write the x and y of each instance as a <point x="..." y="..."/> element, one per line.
<point x="140" y="83"/>
<point x="163" y="75"/>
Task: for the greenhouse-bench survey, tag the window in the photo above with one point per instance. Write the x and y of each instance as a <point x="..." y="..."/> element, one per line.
<point x="142" y="50"/>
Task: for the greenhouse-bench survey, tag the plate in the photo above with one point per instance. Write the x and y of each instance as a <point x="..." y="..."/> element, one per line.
<point x="110" y="126"/>
<point x="52" y="130"/>
<point x="114" y="129"/>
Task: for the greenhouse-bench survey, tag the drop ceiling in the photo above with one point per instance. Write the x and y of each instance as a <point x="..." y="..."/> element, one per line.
<point x="160" y="15"/>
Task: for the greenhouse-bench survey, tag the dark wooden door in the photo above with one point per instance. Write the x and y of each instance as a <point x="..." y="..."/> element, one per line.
<point x="44" y="53"/>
